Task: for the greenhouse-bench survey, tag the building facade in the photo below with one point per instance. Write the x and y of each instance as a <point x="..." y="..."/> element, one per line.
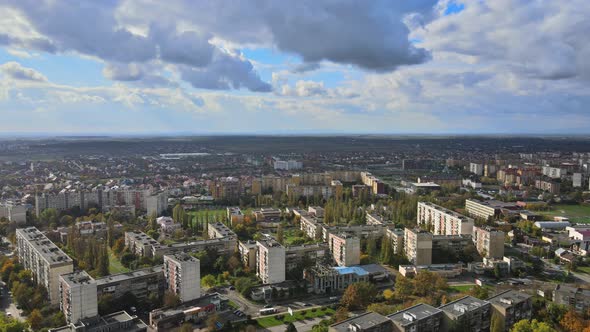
<point x="443" y="221"/>
<point x="78" y="299"/>
<point x="345" y="248"/>
<point x="183" y="276"/>
<point x="270" y="261"/>
<point x="489" y="242"/>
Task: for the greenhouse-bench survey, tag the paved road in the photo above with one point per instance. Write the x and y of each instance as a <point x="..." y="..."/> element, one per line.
<point x="7" y="305"/>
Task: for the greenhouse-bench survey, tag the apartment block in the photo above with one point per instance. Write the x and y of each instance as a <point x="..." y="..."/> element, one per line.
<point x="345" y="248"/>
<point x="270" y="261"/>
<point x="418" y="318"/>
<point x="418" y="246"/>
<point x="247" y="251"/>
<point x="552" y="187"/>
<point x="575" y="297"/>
<point x="47" y="262"/>
<point x="183" y="276"/>
<point x="310" y="226"/>
<point x="234" y="214"/>
<point x="78" y="299"/>
<point x="443" y="221"/>
<point x="15" y="213"/>
<point x="476" y="168"/>
<point x="295" y="255"/>
<point x="367" y="322"/>
<point x="467" y="313"/>
<point x="156" y="203"/>
<point x="482" y="209"/>
<point x="512" y="306"/>
<point x="140" y="283"/>
<point x="489" y="242"/>
<point x="396" y="236"/>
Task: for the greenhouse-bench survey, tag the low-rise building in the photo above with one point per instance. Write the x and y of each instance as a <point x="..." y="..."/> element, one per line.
<point x="140" y="283"/>
<point x="297" y="255"/>
<point x="418" y="318"/>
<point x="512" y="306"/>
<point x="15" y="213"/>
<point x="443" y="270"/>
<point x="167" y="224"/>
<point x="234" y="214"/>
<point x="119" y="321"/>
<point x="467" y="313"/>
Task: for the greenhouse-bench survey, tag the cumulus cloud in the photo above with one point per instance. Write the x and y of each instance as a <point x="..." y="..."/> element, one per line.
<point x="15" y="71"/>
<point x="537" y="39"/>
<point x="123" y="72"/>
<point x="304" y="89"/>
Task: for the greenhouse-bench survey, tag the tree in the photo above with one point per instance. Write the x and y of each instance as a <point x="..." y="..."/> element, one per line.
<point x="103" y="262"/>
<point x="212" y="322"/>
<point x="388" y="294"/>
<point x="35" y="319"/>
<point x="208" y="281"/>
<point x="382" y="308"/>
<point x="403" y="287"/>
<point x="358" y="296"/>
<point x="572" y="322"/>
<point x="291" y="328"/>
<point x="531" y="326"/>
<point x="341" y="314"/>
<point x="186" y="327"/>
<point x="119" y="246"/>
<point x="372" y="247"/>
<point x="280" y="235"/>
<point x="479" y="292"/>
<point x="171" y="299"/>
<point x="110" y="233"/>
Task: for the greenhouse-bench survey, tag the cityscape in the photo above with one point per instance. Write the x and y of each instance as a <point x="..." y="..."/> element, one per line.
<point x="276" y="166"/>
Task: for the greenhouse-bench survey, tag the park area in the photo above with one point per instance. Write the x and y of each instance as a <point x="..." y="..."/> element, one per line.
<point x="286" y="318"/>
<point x="576" y="213"/>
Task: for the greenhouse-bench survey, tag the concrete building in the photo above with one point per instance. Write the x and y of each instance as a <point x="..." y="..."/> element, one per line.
<point x="235" y="215"/>
<point x="47" y="262"/>
<point x="119" y="321"/>
<point x="553" y="172"/>
<point x="443" y="270"/>
<point x="489" y="242"/>
<point x="183" y="276"/>
<point x="577" y="180"/>
<point x="311" y="227"/>
<point x="226" y="188"/>
<point x="140" y="243"/>
<point x="296" y="255"/>
<point x="396" y="236"/>
<point x="167" y="224"/>
<point x="476" y="168"/>
<point x="316" y="211"/>
<point x="15" y="213"/>
<point x="418" y="318"/>
<point x="267" y="215"/>
<point x="488" y="209"/>
<point x="552" y="187"/>
<point x="156" y="203"/>
<point x="575" y="297"/>
<point x="512" y="306"/>
<point x="467" y="313"/>
<point x="140" y="283"/>
<point x="443" y="221"/>
<point x="345" y="248"/>
<point x="366" y="322"/>
<point x="270" y="261"/>
<point x="418" y="246"/>
<point x="248" y="254"/>
<point x="78" y="299"/>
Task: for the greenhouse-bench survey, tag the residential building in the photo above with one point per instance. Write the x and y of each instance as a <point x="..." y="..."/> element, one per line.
<point x="552" y="187"/>
<point x="575" y="297"/>
<point x="442" y="220"/>
<point x="78" y="299"/>
<point x="366" y="322"/>
<point x="140" y="283"/>
<point x="577" y="180"/>
<point x="322" y="279"/>
<point x="512" y="306"/>
<point x="296" y="255"/>
<point x="156" y="203"/>
<point x="234" y="215"/>
<point x="119" y="321"/>
<point x="345" y="248"/>
<point x="476" y="168"/>
<point x="168" y="225"/>
<point x="316" y="211"/>
<point x="443" y="270"/>
<point x="311" y="227"/>
<point x="270" y="261"/>
<point x="267" y="215"/>
<point x="247" y="251"/>
<point x="489" y="242"/>
<point x="467" y="313"/>
<point x="553" y="172"/>
<point x="418" y="318"/>
<point x="140" y="243"/>
<point x="418" y="246"/>
<point x="15" y="213"/>
<point x="47" y="262"/>
<point x="226" y="188"/>
<point x="183" y="275"/>
<point x="488" y="209"/>
<point x="396" y="236"/>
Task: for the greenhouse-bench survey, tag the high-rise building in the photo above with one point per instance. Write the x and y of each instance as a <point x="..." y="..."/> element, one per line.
<point x="476" y="168"/>
<point x="270" y="261"/>
<point x="47" y="262"/>
<point x="15" y="213"/>
<point x="345" y="248"/>
<point x="418" y="246"/>
<point x="443" y="221"/>
<point x="489" y="242"/>
<point x="183" y="276"/>
<point x="78" y="299"/>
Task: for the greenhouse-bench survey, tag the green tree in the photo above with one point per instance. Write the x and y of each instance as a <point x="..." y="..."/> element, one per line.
<point x="531" y="326"/>
<point x="35" y="319"/>
<point x="280" y="234"/>
<point x="171" y="300"/>
<point x="186" y="327"/>
<point x="291" y="328"/>
<point x="102" y="268"/>
<point x="358" y="296"/>
<point x="208" y="281"/>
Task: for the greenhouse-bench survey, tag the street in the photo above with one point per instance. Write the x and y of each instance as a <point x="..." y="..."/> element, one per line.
<point x="7" y="305"/>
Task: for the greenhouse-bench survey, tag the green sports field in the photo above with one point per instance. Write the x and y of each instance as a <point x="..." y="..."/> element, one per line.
<point x="576" y="213"/>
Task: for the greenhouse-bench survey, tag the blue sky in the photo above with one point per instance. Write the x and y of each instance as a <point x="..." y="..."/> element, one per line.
<point x="428" y="66"/>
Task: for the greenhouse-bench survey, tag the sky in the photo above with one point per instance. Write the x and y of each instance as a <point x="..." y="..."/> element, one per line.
<point x="86" y="67"/>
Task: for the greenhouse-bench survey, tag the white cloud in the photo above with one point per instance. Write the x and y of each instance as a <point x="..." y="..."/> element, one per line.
<point x="15" y="71"/>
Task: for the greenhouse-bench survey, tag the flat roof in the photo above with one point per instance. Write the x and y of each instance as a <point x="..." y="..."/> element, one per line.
<point x="130" y="275"/>
<point x="508" y="298"/>
<point x="415" y="313"/>
<point x="43" y="246"/>
<point x="463" y="305"/>
<point x="77" y="278"/>
<point x="365" y="321"/>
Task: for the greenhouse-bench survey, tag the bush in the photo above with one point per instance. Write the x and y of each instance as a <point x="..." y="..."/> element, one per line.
<point x="279" y="317"/>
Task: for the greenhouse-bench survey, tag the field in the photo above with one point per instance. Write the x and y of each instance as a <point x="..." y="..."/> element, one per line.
<point x="576" y="213"/>
<point x="270" y="321"/>
<point x="460" y="288"/>
<point x="584" y="269"/>
<point x="201" y="214"/>
<point x="115" y="265"/>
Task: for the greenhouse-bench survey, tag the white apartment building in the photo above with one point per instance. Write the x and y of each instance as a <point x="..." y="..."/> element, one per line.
<point x="155" y="204"/>
<point x="476" y="168"/>
<point x="13" y="212"/>
<point x="489" y="242"/>
<point x="553" y="172"/>
<point x="345" y="248"/>
<point x="443" y="221"/>
<point x="78" y="298"/>
<point x="418" y="246"/>
<point x="183" y="275"/>
<point x="270" y="261"/>
<point x="47" y="262"/>
<point x="482" y="210"/>
<point x="396" y="236"/>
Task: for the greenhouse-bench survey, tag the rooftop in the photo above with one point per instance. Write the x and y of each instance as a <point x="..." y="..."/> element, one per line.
<point x="77" y="278"/>
<point x="129" y="275"/>
<point x="415" y="313"/>
<point x="43" y="246"/>
<point x="364" y="322"/>
<point x="508" y="298"/>
<point x="463" y="305"/>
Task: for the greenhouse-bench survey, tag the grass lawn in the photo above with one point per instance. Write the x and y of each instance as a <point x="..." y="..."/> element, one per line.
<point x="584" y="269"/>
<point x="271" y="321"/>
<point x="115" y="265"/>
<point x="576" y="213"/>
<point x="233" y="305"/>
<point x="460" y="288"/>
<point x="200" y="214"/>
